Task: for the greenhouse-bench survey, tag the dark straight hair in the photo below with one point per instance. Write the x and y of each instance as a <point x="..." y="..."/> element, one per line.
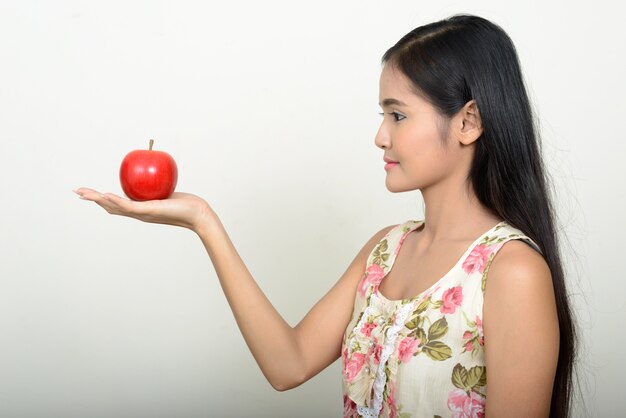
<point x="466" y="57"/>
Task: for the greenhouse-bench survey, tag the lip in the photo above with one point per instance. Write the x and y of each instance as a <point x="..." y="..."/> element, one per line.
<point x="390" y="165"/>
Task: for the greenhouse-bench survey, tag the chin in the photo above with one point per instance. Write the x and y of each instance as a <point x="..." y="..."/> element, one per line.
<point x="396" y="188"/>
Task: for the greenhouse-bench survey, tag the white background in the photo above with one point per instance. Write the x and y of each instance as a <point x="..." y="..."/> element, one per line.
<point x="270" y="109"/>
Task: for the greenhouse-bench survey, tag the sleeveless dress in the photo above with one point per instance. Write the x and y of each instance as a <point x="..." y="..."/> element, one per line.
<point x="422" y="356"/>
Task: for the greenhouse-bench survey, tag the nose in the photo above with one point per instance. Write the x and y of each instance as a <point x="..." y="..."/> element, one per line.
<point x="382" y="139"/>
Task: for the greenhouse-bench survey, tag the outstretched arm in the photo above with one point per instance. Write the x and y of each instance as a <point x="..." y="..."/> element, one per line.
<point x="287" y="356"/>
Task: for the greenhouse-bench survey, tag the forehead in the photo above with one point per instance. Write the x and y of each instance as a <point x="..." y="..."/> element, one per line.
<point x="395" y="85"/>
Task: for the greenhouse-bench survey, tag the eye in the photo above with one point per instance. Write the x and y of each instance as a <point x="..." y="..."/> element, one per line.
<point x="396" y="116"/>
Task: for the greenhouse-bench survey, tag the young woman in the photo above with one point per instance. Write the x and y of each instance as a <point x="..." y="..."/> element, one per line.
<point x="451" y="329"/>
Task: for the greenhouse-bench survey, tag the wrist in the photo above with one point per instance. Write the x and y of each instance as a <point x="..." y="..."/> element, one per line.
<point x="205" y="219"/>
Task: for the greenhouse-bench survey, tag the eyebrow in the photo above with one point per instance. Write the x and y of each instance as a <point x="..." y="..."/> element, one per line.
<point x="391" y="102"/>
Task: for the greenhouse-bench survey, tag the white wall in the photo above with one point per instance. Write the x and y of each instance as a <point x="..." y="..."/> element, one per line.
<point x="270" y="109"/>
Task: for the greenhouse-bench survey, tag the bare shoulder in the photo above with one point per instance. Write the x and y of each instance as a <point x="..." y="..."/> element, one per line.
<point x="384" y="231"/>
<point x="369" y="246"/>
<point x="519" y="308"/>
<point x="518" y="276"/>
<point x="378" y="236"/>
<point x="519" y="260"/>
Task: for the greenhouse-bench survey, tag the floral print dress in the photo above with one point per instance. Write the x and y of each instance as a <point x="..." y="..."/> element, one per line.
<point x="423" y="356"/>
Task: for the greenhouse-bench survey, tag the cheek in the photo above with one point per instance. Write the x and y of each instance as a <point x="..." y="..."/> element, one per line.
<point x="425" y="160"/>
<point x="421" y="144"/>
<point x="425" y="134"/>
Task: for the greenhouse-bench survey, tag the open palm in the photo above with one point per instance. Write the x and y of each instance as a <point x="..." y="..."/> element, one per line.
<point x="180" y="209"/>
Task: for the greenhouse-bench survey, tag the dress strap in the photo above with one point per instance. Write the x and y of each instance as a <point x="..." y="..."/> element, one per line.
<point x="506" y="234"/>
<point x="383" y="256"/>
<point x="385" y="252"/>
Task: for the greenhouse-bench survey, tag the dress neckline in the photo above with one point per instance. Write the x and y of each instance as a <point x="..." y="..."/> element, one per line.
<point x="438" y="282"/>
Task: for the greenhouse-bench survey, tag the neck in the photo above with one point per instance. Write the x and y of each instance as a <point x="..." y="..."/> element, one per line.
<point x="453" y="212"/>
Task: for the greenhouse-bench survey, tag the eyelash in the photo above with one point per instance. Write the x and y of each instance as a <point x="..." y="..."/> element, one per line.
<point x="395" y="116"/>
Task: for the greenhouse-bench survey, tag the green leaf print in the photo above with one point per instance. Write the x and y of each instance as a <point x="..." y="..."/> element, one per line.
<point x="483" y="281"/>
<point x="413" y="323"/>
<point x="359" y="317"/>
<point x="438" y="329"/>
<point x="476" y="376"/>
<point x="470" y="323"/>
<point x="493" y="239"/>
<point x="422" y="306"/>
<point x="469" y="380"/>
<point x="437" y="350"/>
<point x="380" y="254"/>
<point x="459" y="377"/>
<point x="421" y="334"/>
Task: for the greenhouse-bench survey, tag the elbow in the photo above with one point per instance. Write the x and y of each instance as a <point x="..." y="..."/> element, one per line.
<point x="282" y="385"/>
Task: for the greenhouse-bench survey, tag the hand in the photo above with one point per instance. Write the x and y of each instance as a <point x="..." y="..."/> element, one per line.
<point x="180" y="209"/>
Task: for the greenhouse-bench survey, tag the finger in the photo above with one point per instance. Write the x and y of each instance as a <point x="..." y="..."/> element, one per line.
<point x="118" y="204"/>
<point x="83" y="189"/>
<point x="99" y="198"/>
<point x="110" y="202"/>
<point x="88" y="194"/>
<point x="113" y="197"/>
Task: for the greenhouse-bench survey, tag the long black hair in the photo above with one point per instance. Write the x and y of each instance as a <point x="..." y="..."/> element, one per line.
<point x="466" y="57"/>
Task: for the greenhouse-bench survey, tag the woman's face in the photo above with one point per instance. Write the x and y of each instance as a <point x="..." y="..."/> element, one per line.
<point x="410" y="134"/>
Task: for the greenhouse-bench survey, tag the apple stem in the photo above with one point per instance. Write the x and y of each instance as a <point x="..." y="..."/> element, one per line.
<point x="151" y="144"/>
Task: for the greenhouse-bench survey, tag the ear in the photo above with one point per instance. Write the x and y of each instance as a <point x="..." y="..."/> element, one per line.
<point x="471" y="127"/>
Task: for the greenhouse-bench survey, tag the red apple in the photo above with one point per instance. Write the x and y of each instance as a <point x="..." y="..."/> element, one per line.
<point x="148" y="174"/>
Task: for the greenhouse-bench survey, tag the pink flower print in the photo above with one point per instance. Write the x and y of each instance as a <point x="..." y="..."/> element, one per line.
<point x="374" y="351"/>
<point x="469" y="345"/>
<point x="463" y="405"/>
<point x="479" y="325"/>
<point x="377" y="352"/>
<point x="477" y="259"/>
<point x="363" y="284"/>
<point x="397" y="250"/>
<point x="373" y="276"/>
<point x="408" y="347"/>
<point x="391" y="400"/>
<point x="354" y="366"/>
<point x="367" y="328"/>
<point x="452" y="299"/>
<point x="349" y="408"/>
